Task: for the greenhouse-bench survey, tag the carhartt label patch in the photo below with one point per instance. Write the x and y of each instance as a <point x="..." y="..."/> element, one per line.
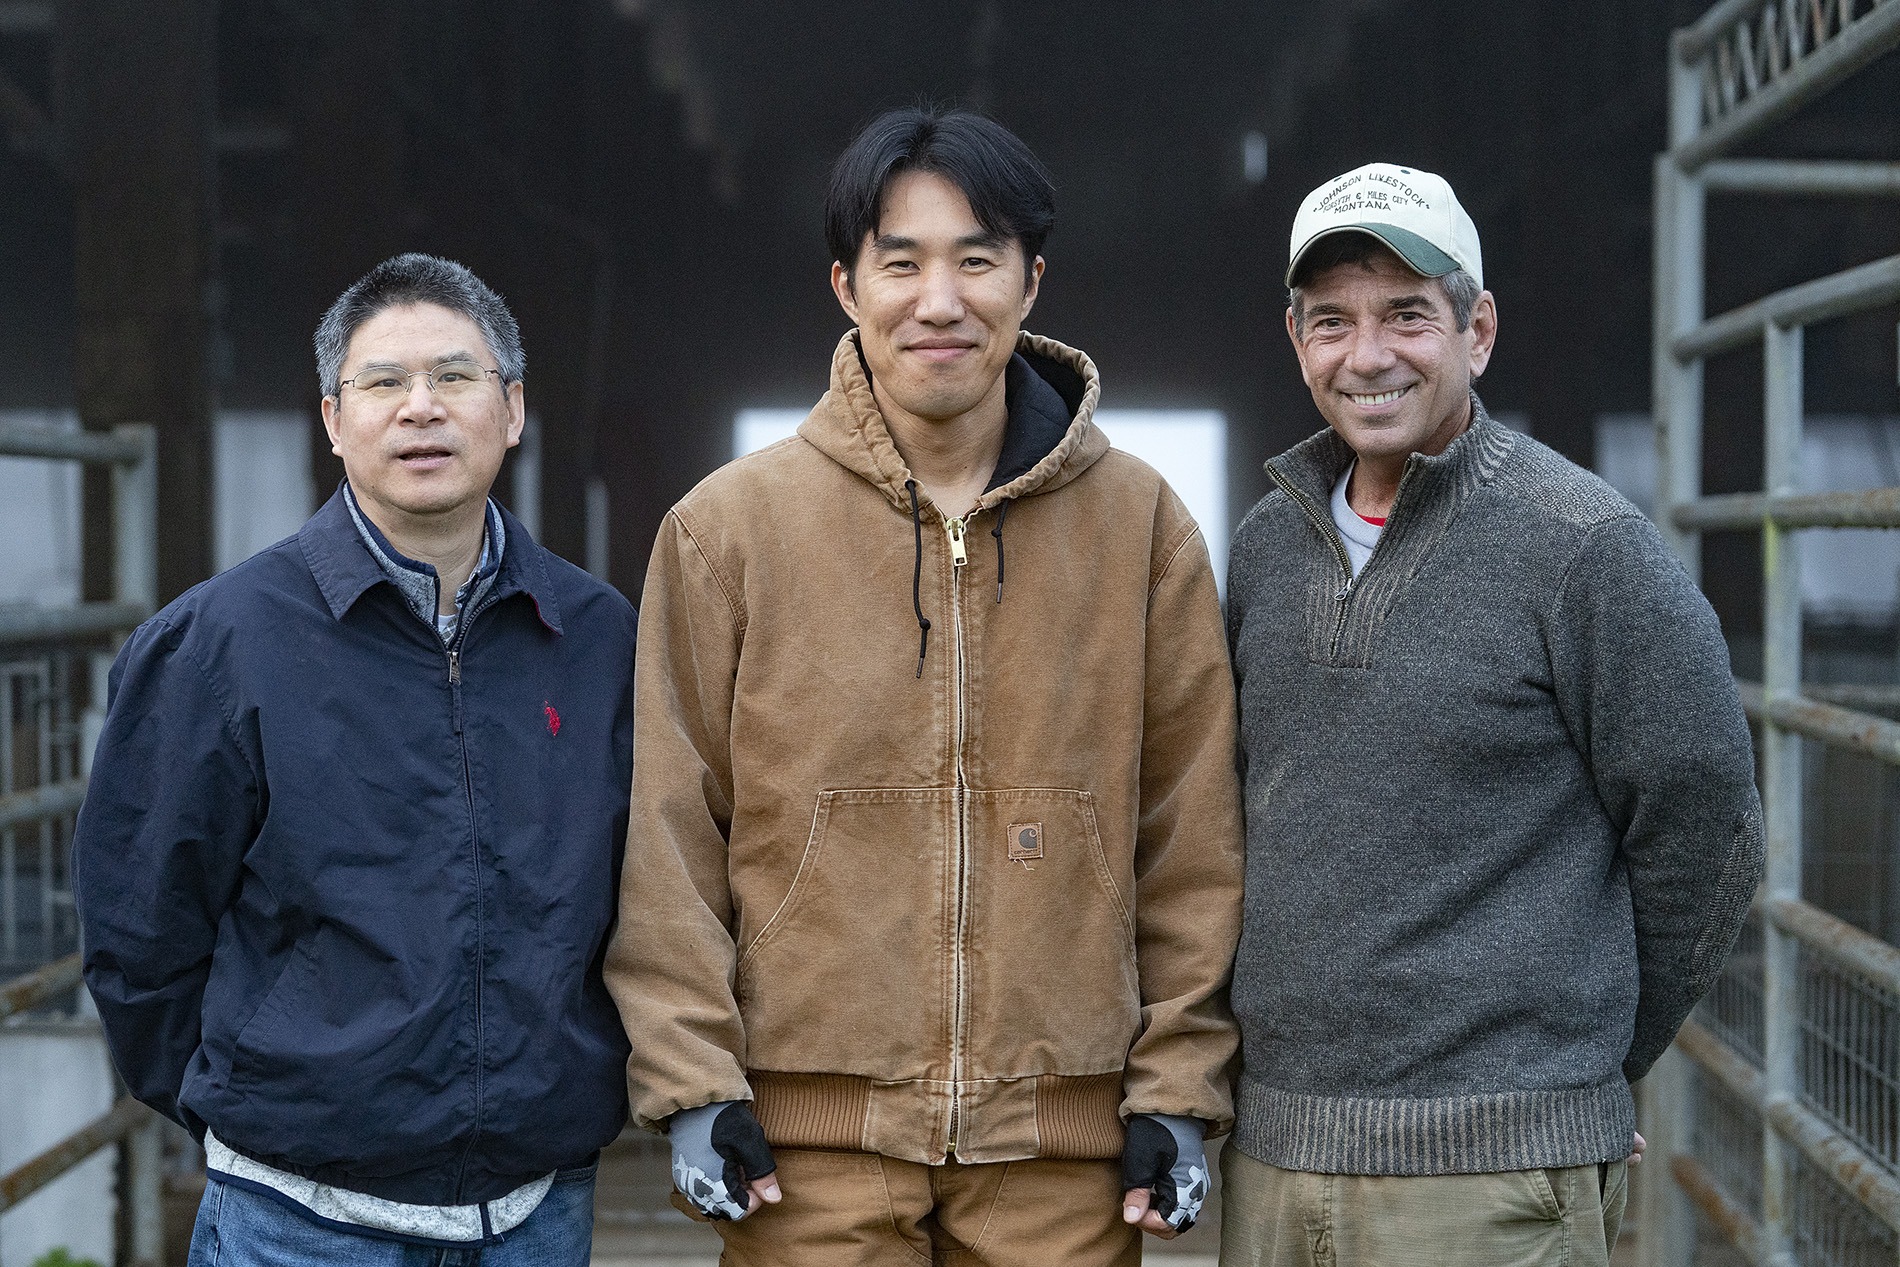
<point x="1025" y="841"/>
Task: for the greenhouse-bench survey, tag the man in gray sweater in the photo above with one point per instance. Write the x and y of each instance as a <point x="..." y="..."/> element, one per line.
<point x="1501" y="819"/>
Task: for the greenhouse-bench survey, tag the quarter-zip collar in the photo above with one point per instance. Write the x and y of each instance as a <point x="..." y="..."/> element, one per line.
<point x="1313" y="466"/>
<point x="345" y="569"/>
<point x="1344" y="614"/>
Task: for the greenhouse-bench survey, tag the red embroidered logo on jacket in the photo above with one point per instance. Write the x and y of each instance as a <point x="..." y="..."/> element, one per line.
<point x="554" y="718"/>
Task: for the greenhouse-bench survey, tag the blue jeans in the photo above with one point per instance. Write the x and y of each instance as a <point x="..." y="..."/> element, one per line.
<point x="240" y="1228"/>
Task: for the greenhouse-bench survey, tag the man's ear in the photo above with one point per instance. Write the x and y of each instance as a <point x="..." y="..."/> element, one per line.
<point x="517" y="412"/>
<point x="1484" y="332"/>
<point x="842" y="288"/>
<point x="1032" y="287"/>
<point x="330" y="405"/>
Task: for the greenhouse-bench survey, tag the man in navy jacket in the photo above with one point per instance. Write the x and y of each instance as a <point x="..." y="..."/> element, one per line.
<point x="348" y="861"/>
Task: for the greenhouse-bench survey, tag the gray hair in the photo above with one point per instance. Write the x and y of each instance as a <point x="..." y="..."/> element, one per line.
<point x="415" y="278"/>
<point x="1461" y="288"/>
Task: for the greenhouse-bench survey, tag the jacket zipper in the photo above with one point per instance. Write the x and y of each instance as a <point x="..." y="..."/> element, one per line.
<point x="475" y="846"/>
<point x="1329" y="531"/>
<point x="959" y="556"/>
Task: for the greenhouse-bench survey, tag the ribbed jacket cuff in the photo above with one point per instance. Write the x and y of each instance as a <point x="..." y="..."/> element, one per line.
<point x="1442" y="1135"/>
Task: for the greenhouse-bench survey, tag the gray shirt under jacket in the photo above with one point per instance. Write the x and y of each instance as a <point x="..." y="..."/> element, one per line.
<point x="1502" y="826"/>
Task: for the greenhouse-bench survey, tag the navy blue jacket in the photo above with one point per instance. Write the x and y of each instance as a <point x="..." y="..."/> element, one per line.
<point x="344" y="899"/>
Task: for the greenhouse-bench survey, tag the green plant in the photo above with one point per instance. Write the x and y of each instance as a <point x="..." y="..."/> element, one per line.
<point x="60" y="1256"/>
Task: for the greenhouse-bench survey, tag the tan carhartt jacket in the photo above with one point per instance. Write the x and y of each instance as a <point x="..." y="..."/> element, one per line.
<point x="981" y="912"/>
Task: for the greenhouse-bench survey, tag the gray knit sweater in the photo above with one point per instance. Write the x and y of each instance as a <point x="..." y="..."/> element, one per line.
<point x="1501" y="817"/>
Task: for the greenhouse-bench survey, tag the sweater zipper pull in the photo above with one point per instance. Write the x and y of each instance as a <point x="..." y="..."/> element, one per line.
<point x="455" y="667"/>
<point x="953" y="528"/>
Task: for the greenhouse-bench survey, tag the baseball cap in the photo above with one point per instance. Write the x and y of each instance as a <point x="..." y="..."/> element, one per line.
<point x="1413" y="212"/>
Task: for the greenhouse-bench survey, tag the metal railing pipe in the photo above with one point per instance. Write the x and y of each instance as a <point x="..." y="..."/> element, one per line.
<point x="1865" y="38"/>
<point x="27" y="992"/>
<point x="1692" y="41"/>
<point x="37" y="803"/>
<point x="68" y="624"/>
<point x="1830" y="723"/>
<point x="1838" y="941"/>
<point x="108" y="1128"/>
<point x="1825" y="1148"/>
<point x="1802" y="176"/>
<point x="1853" y="290"/>
<point x="1858" y="508"/>
<point x="20" y="441"/>
<point x="1729" y="1216"/>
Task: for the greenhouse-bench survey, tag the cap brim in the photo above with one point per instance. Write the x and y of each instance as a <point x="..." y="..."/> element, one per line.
<point x="1419" y="255"/>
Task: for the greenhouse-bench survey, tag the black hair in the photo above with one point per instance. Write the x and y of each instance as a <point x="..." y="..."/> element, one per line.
<point x="417" y="279"/>
<point x="1461" y="289"/>
<point x="1009" y="190"/>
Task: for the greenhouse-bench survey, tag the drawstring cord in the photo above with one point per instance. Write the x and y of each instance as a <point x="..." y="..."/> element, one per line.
<point x="917" y="578"/>
<point x="1002" y="511"/>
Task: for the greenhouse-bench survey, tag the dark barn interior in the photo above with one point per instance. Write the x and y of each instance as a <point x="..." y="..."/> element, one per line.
<point x="188" y="185"/>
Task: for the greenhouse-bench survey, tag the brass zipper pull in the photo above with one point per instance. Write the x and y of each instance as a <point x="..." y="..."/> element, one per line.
<point x="953" y="528"/>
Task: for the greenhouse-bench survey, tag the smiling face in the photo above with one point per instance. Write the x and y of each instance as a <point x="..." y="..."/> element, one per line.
<point x="1384" y="359"/>
<point x="938" y="301"/>
<point x="425" y="455"/>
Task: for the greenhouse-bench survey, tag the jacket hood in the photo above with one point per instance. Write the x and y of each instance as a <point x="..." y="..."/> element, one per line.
<point x="847" y="426"/>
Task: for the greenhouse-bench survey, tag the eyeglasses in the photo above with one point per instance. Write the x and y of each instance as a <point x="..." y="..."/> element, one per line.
<point x="449" y="379"/>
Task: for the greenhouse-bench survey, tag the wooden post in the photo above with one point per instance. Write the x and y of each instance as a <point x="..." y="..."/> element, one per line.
<point x="138" y="105"/>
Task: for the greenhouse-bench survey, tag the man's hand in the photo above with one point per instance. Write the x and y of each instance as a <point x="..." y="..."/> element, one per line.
<point x="1636" y="1149"/>
<point x="1164" y="1173"/>
<point x="721" y="1162"/>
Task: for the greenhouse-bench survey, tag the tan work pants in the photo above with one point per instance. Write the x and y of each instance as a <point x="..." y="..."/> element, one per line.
<point x="1565" y="1217"/>
<point x="859" y="1209"/>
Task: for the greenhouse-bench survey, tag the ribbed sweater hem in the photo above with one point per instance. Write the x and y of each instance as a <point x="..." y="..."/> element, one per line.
<point x="1438" y="1135"/>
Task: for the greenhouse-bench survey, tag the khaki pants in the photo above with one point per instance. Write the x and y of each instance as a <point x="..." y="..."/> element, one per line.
<point x="858" y="1209"/>
<point x="1565" y="1217"/>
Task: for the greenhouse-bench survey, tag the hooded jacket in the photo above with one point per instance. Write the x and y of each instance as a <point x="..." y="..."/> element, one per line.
<point x="980" y="902"/>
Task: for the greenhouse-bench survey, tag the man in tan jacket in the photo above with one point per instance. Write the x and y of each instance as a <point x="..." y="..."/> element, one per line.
<point x="934" y="867"/>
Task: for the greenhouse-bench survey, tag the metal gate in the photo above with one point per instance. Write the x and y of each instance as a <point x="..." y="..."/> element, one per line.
<point x="53" y="663"/>
<point x="1777" y="1115"/>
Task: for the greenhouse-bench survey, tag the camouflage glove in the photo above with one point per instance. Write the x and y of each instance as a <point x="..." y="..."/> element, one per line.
<point x="1164" y="1154"/>
<point x="716" y="1149"/>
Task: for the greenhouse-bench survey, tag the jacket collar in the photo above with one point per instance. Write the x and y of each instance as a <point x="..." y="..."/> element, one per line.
<point x="1051" y="437"/>
<point x="1314" y="465"/>
<point x="345" y="570"/>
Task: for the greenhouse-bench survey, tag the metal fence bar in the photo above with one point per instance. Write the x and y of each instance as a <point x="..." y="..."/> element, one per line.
<point x="1781" y="770"/>
<point x="1861" y="508"/>
<point x="135" y="520"/>
<point x="1802" y="176"/>
<point x="1863" y="39"/>
<point x="1840" y="294"/>
<point x="1837" y="941"/>
<point x="1725" y="1212"/>
<point x="1826" y="1148"/>
<point x="69" y="624"/>
<point x="1676" y="388"/>
<point x="25" y="993"/>
<point x="19" y="441"/>
<point x="1843" y="727"/>
<point x="35" y="804"/>
<point x="108" y="1128"/>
